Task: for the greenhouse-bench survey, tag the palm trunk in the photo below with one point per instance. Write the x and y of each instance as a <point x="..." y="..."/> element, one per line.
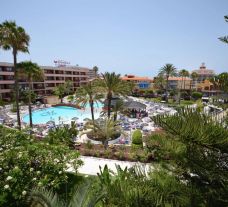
<point x="115" y="116"/>
<point x="180" y="90"/>
<point x="29" y="104"/>
<point x="166" y="90"/>
<point x="109" y="97"/>
<point x="16" y="88"/>
<point x="92" y="110"/>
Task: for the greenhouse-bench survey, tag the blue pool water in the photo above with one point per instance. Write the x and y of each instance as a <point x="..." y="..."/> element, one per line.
<point x="62" y="114"/>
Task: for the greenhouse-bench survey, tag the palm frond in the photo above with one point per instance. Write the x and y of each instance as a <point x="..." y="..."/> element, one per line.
<point x="224" y="39"/>
<point x="84" y="196"/>
<point x="40" y="197"/>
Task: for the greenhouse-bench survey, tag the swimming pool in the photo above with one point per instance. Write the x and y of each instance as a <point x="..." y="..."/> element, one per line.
<point x="62" y="114"/>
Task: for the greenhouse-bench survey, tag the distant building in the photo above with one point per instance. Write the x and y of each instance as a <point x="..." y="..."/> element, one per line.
<point x="183" y="83"/>
<point x="140" y="82"/>
<point x="203" y="74"/>
<point x="91" y="74"/>
<point x="207" y="88"/>
<point x="53" y="76"/>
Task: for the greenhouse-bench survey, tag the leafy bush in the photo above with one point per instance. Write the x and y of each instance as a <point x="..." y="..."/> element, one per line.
<point x="26" y="163"/>
<point x="197" y="95"/>
<point x="137" y="137"/>
<point x="89" y="144"/>
<point x="65" y="134"/>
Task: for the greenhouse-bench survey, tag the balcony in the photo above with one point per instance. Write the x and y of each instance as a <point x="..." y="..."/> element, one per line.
<point x="7" y="81"/>
<point x="6" y="73"/>
<point x="5" y="90"/>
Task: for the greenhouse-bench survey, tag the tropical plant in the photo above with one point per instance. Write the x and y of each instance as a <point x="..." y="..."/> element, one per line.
<point x="60" y="91"/>
<point x="88" y="94"/>
<point x="168" y="70"/>
<point x="27" y="163"/>
<point x="159" y="82"/>
<point x="14" y="37"/>
<point x="118" y="107"/>
<point x="95" y="69"/>
<point x="82" y="197"/>
<point x="32" y="72"/>
<point x="134" y="188"/>
<point x="197" y="95"/>
<point x="194" y="77"/>
<point x="221" y="82"/>
<point x="68" y="87"/>
<point x="104" y="130"/>
<point x="183" y="73"/>
<point x="63" y="134"/>
<point x="197" y="148"/>
<point x="70" y="98"/>
<point x="112" y="84"/>
<point x="225" y="38"/>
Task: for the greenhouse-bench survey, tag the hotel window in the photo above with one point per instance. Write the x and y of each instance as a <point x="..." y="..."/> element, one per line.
<point x="9" y="69"/>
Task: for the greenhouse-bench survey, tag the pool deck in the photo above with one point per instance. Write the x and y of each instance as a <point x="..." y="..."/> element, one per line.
<point x="92" y="165"/>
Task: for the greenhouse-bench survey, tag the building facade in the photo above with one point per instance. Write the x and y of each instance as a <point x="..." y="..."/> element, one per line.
<point x="183" y="83"/>
<point x="140" y="82"/>
<point x="91" y="74"/>
<point x="203" y="74"/>
<point x="53" y="76"/>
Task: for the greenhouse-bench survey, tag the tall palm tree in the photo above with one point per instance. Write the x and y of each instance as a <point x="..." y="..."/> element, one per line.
<point x="88" y="94"/>
<point x="112" y="84"/>
<point x="225" y="38"/>
<point x="183" y="73"/>
<point x="95" y="68"/>
<point x="194" y="77"/>
<point x="167" y="70"/>
<point x="68" y="86"/>
<point x="60" y="91"/>
<point x="32" y="72"/>
<point x="14" y="37"/>
<point x="118" y="107"/>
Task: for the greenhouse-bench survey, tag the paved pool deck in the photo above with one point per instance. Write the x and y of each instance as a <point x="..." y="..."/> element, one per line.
<point x="92" y="165"/>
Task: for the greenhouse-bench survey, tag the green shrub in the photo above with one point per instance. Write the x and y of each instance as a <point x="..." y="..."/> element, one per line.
<point x="89" y="144"/>
<point x="197" y="95"/>
<point x="137" y="137"/>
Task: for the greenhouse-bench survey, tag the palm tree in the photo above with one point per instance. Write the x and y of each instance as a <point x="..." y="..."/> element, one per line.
<point x="32" y="71"/>
<point x="159" y="82"/>
<point x="194" y="76"/>
<point x="225" y="38"/>
<point x="104" y="130"/>
<point x="112" y="84"/>
<point x="95" y="69"/>
<point x="68" y="87"/>
<point x="183" y="73"/>
<point x="118" y="107"/>
<point x="168" y="70"/>
<point x="60" y="91"/>
<point x="88" y="94"/>
<point x="14" y="37"/>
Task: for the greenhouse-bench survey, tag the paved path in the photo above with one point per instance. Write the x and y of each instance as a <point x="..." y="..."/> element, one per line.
<point x="91" y="165"/>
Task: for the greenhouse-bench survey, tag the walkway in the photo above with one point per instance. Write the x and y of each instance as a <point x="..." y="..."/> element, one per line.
<point x="91" y="165"/>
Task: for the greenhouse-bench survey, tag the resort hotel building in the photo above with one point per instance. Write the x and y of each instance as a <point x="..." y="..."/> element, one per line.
<point x="140" y="82"/>
<point x="53" y="76"/>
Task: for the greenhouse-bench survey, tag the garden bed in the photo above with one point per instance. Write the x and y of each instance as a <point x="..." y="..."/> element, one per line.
<point x="116" y="152"/>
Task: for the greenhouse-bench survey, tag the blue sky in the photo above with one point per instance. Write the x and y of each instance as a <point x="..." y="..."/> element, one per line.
<point x="125" y="36"/>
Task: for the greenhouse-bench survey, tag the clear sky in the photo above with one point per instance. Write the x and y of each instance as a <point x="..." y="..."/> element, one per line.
<point x="125" y="36"/>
